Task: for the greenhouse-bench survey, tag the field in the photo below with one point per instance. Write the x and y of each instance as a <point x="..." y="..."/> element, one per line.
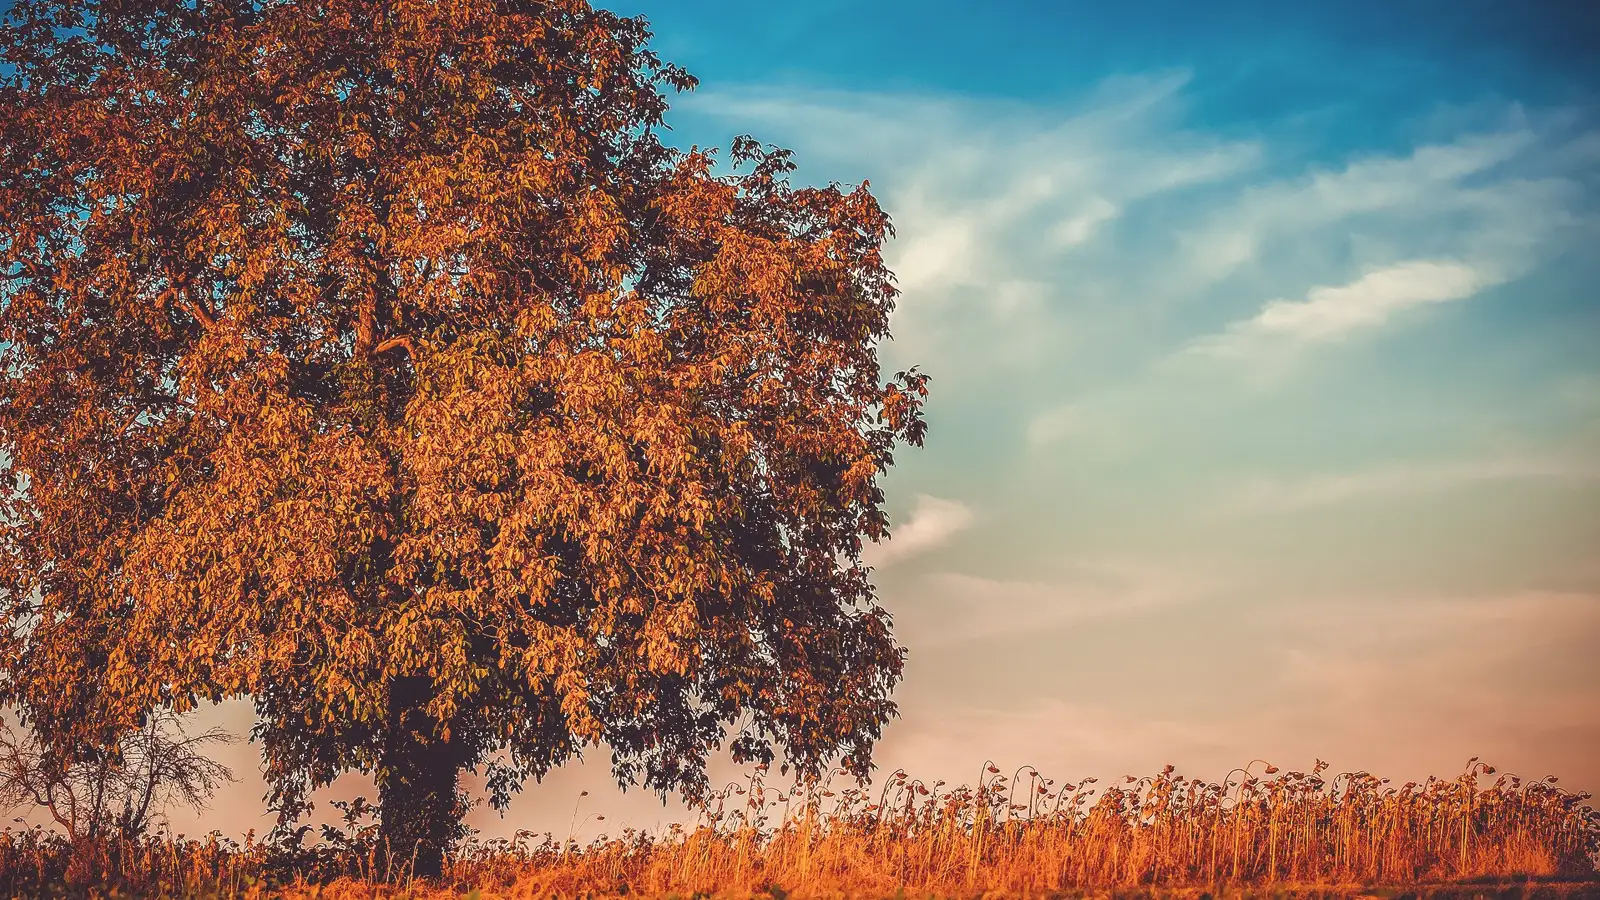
<point x="1013" y="833"/>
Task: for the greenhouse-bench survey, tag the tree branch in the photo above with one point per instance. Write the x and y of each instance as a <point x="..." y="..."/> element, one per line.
<point x="194" y="307"/>
<point x="199" y="312"/>
<point x="401" y="341"/>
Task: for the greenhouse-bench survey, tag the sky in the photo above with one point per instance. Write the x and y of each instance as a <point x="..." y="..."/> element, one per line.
<point x="1266" y="394"/>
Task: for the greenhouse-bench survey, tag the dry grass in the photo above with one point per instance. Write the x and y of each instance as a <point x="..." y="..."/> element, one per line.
<point x="1020" y="834"/>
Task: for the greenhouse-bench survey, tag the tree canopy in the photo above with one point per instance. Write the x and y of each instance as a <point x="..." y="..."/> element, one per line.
<point x="377" y="361"/>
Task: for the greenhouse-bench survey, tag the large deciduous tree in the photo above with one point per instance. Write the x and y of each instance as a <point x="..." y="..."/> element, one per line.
<point x="377" y="362"/>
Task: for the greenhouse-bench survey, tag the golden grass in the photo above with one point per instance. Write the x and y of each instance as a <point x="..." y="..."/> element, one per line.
<point x="1017" y="834"/>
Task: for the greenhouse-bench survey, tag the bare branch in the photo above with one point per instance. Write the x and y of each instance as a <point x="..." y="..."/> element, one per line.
<point x="151" y="769"/>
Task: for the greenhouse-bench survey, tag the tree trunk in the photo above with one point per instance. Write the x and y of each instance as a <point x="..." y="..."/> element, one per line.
<point x="419" y="812"/>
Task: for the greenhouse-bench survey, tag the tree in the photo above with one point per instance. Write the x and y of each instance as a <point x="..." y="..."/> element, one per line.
<point x="119" y="792"/>
<point x="377" y="361"/>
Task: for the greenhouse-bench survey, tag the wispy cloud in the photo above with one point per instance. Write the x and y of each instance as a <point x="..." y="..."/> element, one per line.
<point x="1375" y="664"/>
<point x="933" y="522"/>
<point x="1350" y="250"/>
<point x="1062" y="739"/>
<point x="1272" y="495"/>
<point x="998" y="208"/>
<point x="1331" y="313"/>
<point x="958" y="608"/>
<point x="1369" y="195"/>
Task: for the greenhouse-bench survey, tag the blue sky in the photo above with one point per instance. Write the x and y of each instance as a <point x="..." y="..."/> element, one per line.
<point x="1266" y="416"/>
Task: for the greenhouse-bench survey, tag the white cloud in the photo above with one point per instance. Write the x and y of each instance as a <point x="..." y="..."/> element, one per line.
<point x="933" y="522"/>
<point x="1331" y="313"/>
